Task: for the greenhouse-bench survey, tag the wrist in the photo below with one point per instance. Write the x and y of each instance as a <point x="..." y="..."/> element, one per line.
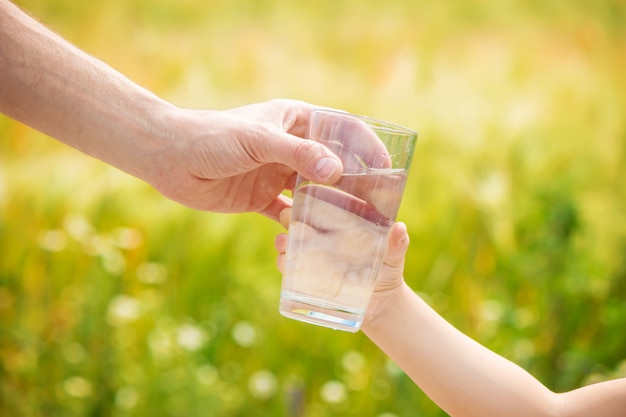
<point x="388" y="313"/>
<point x="152" y="132"/>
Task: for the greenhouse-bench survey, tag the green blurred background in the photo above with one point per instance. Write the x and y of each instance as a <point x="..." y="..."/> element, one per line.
<point x="117" y="302"/>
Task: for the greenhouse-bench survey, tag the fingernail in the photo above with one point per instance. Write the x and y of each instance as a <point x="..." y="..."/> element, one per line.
<point x="326" y="167"/>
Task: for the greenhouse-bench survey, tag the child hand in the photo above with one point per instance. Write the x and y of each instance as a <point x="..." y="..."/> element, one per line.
<point x="389" y="283"/>
<point x="280" y="243"/>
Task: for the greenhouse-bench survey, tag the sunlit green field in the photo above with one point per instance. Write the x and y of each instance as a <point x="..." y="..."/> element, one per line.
<point x="117" y="302"/>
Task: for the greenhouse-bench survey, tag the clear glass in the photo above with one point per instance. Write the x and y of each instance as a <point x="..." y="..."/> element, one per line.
<point x="338" y="233"/>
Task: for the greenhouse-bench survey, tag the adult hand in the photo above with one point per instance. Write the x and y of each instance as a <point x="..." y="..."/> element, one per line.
<point x="240" y="160"/>
<point x="227" y="161"/>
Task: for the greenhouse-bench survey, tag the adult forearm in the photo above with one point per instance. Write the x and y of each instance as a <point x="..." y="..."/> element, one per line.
<point x="52" y="86"/>
<point x="460" y="375"/>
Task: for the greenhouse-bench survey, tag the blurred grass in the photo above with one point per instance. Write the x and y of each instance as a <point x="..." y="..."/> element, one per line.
<point x="116" y="302"/>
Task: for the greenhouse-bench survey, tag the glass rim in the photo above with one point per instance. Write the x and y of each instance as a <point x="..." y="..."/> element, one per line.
<point x="384" y="125"/>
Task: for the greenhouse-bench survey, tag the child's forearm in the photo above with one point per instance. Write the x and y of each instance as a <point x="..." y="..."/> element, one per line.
<point x="461" y="376"/>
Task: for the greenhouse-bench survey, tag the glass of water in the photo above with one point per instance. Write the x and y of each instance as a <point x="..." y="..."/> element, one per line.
<point x="338" y="232"/>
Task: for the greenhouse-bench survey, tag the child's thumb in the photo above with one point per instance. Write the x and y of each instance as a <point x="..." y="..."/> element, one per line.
<point x="397" y="244"/>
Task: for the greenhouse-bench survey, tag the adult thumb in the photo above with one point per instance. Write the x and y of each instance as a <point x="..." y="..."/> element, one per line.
<point x="310" y="159"/>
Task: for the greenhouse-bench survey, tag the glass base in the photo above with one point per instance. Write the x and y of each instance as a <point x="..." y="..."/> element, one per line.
<point x="326" y="315"/>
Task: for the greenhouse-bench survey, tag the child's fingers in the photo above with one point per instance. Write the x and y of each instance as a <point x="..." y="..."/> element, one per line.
<point x="284" y="217"/>
<point x="397" y="244"/>
<point x="280" y="243"/>
<point x="280" y="262"/>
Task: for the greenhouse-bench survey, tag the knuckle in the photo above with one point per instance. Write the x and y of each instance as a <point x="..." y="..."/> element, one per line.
<point x="305" y="151"/>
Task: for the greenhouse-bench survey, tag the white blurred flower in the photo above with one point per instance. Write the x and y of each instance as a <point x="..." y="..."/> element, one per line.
<point x="244" y="334"/>
<point x="127" y="238"/>
<point x="207" y="374"/>
<point x="262" y="384"/>
<point x="3" y="186"/>
<point x="393" y="369"/>
<point x="126" y="398"/>
<point x="52" y="240"/>
<point x="161" y="343"/>
<point x="95" y="245"/>
<point x="162" y="340"/>
<point x="113" y="261"/>
<point x="152" y="273"/>
<point x="123" y="309"/>
<point x="523" y="349"/>
<point x="526" y="110"/>
<point x="190" y="337"/>
<point x="492" y="190"/>
<point x="357" y="377"/>
<point x="77" y="386"/>
<point x="353" y="361"/>
<point x="380" y="388"/>
<point x="78" y="227"/>
<point x="492" y="310"/>
<point x="334" y="392"/>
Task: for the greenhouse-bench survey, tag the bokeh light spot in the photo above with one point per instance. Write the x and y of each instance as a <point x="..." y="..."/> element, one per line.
<point x="334" y="392"/>
<point x="262" y="384"/>
<point x="244" y="334"/>
<point x="77" y="386"/>
<point x="52" y="240"/>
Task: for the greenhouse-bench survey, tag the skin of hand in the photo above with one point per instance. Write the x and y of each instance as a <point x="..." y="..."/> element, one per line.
<point x="389" y="283"/>
<point x="463" y="377"/>
<point x="231" y="161"/>
<point x="241" y="159"/>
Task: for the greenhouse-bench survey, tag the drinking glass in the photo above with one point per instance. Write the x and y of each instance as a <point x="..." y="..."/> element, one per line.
<point x="338" y="233"/>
